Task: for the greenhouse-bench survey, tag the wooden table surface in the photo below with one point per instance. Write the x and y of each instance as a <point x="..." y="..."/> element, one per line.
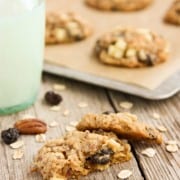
<point x="163" y="166"/>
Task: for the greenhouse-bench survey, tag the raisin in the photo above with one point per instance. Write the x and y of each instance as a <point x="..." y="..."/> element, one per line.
<point x="52" y="98"/>
<point x="10" y="135"/>
<point x="102" y="157"/>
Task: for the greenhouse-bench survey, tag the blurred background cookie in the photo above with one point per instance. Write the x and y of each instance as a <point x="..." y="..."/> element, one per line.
<point x="65" y="28"/>
<point x="130" y="47"/>
<point x="119" y="5"/>
<point x="173" y="14"/>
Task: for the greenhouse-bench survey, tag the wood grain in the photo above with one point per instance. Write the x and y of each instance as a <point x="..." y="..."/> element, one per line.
<point x="164" y="166"/>
<point x="97" y="101"/>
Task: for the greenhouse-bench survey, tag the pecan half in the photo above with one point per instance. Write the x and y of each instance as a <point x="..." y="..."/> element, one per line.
<point x="31" y="126"/>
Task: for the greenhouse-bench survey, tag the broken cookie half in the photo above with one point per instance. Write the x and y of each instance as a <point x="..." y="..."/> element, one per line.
<point x="80" y="153"/>
<point x="125" y="125"/>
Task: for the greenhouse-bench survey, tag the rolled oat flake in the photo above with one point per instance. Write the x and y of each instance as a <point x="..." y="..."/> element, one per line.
<point x="149" y="152"/>
<point x="172" y="148"/>
<point x="124" y="174"/>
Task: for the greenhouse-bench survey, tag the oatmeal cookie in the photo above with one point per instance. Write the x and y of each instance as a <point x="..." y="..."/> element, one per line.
<point x="125" y="125"/>
<point x="130" y="47"/>
<point x="65" y="28"/>
<point x="119" y="5"/>
<point x="173" y="14"/>
<point x="80" y="153"/>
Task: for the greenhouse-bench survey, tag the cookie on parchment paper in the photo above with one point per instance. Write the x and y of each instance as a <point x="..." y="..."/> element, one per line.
<point x="132" y="47"/>
<point x="119" y="5"/>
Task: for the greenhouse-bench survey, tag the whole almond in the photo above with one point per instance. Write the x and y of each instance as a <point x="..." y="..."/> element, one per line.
<point x="31" y="126"/>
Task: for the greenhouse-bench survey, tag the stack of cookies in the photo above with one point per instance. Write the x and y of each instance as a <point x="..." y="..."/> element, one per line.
<point x="99" y="141"/>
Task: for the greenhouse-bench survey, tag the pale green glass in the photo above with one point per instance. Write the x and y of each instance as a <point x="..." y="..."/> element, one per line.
<point x="22" y="26"/>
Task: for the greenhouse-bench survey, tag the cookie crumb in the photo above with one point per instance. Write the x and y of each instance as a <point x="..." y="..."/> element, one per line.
<point x="83" y="104"/>
<point x="70" y="128"/>
<point x="53" y="124"/>
<point x="149" y="152"/>
<point x="18" y="154"/>
<point x="17" y="144"/>
<point x="172" y="148"/>
<point x="124" y="174"/>
<point x="66" y="112"/>
<point x="55" y="108"/>
<point x="161" y="128"/>
<point x="74" y="123"/>
<point x="59" y="87"/>
<point x="156" y="116"/>
<point x="40" y="138"/>
<point x="126" y="105"/>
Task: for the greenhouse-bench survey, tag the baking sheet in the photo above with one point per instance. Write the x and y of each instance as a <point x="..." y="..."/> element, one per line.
<point x="78" y="56"/>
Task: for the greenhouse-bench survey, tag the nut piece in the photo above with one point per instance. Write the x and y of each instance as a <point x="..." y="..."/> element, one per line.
<point x="149" y="152"/>
<point x="17" y="144"/>
<point x="31" y="126"/>
<point x="124" y="174"/>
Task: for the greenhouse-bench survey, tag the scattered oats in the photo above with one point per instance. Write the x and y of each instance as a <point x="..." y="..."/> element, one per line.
<point x="55" y="108"/>
<point x="40" y="138"/>
<point x="66" y="112"/>
<point x="18" y="154"/>
<point x="74" y="123"/>
<point x="149" y="152"/>
<point x="59" y="87"/>
<point x="124" y="174"/>
<point x="82" y="104"/>
<point x="126" y="105"/>
<point x="27" y="116"/>
<point x="161" y="128"/>
<point x="53" y="124"/>
<point x="156" y="115"/>
<point x="171" y="142"/>
<point x="17" y="144"/>
<point x="70" y="128"/>
<point x="172" y="148"/>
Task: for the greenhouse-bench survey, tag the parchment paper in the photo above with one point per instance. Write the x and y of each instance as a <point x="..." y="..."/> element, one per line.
<point x="78" y="56"/>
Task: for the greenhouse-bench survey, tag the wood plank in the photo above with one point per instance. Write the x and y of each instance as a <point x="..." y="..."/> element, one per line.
<point x="97" y="101"/>
<point x="164" y="166"/>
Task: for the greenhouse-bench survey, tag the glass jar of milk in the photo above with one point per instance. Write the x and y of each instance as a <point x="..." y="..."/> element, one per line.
<point x="22" y="25"/>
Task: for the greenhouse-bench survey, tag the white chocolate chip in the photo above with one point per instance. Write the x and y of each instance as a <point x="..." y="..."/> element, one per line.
<point x="121" y="44"/>
<point x="74" y="123"/>
<point x="156" y="115"/>
<point x="124" y="174"/>
<point x="161" y="128"/>
<point x="126" y="105"/>
<point x="142" y="55"/>
<point x="18" y="154"/>
<point x="59" y="87"/>
<point x="66" y="112"/>
<point x="70" y="128"/>
<point x="55" y="108"/>
<point x="149" y="152"/>
<point x="18" y="144"/>
<point x="131" y="53"/>
<point x="82" y="105"/>
<point x="115" y="52"/>
<point x="61" y="34"/>
<point x="53" y="124"/>
<point x="40" y="138"/>
<point x="172" y="148"/>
